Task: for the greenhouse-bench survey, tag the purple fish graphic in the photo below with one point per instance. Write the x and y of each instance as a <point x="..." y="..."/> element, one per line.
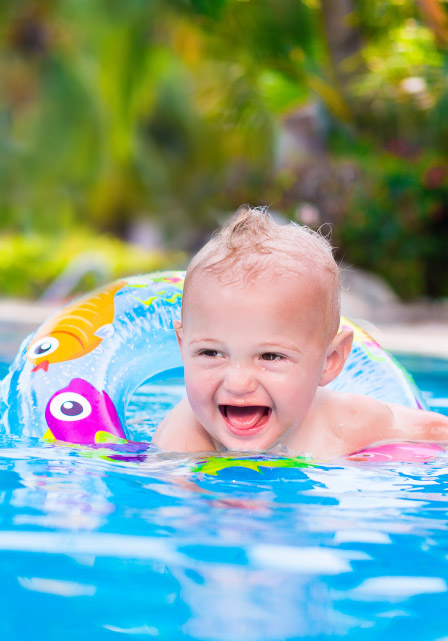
<point x="76" y="414"/>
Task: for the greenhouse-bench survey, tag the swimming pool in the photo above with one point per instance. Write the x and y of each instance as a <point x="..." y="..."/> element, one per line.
<point x="145" y="548"/>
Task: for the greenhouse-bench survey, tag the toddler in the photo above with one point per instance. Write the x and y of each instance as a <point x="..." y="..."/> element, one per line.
<point x="259" y="341"/>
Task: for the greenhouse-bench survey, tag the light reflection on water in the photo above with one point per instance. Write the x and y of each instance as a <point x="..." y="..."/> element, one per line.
<point x="144" y="547"/>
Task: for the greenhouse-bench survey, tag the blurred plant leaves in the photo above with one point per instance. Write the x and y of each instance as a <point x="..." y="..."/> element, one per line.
<point x="28" y="265"/>
<point x="140" y="107"/>
<point x="175" y="110"/>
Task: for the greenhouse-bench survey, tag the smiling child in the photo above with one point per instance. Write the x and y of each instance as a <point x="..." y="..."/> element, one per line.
<point x="259" y="341"/>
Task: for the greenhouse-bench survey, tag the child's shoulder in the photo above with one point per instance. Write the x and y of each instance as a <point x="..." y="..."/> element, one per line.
<point x="180" y="431"/>
<point x="340" y="423"/>
<point x="348" y="409"/>
<point x="355" y="409"/>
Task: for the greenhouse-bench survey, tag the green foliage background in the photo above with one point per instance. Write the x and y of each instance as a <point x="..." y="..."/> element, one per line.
<point x="175" y="110"/>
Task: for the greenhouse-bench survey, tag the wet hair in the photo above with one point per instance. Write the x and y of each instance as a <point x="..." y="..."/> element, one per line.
<point x="252" y="244"/>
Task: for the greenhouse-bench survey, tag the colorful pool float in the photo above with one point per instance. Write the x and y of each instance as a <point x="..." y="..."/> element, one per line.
<point x="73" y="377"/>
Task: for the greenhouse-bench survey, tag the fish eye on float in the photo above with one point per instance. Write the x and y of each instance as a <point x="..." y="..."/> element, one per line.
<point x="70" y="406"/>
<point x="43" y="347"/>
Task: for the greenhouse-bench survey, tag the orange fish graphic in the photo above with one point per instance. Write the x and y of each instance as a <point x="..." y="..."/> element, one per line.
<point x="76" y="330"/>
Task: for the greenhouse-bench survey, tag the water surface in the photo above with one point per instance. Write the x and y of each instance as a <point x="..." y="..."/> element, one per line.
<point x="143" y="546"/>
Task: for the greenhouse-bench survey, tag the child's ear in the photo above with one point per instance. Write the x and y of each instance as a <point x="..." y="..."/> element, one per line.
<point x="177" y="324"/>
<point x="337" y="353"/>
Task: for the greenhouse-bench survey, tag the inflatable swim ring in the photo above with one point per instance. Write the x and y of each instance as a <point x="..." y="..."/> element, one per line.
<point x="407" y="452"/>
<point x="74" y="376"/>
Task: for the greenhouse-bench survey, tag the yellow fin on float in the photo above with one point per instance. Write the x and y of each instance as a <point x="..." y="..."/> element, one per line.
<point x="48" y="436"/>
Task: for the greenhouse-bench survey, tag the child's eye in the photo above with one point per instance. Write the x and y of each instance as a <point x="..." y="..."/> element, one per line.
<point x="210" y="353"/>
<point x="272" y="356"/>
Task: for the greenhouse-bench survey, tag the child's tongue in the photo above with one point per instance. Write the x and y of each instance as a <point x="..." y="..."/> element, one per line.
<point x="244" y="417"/>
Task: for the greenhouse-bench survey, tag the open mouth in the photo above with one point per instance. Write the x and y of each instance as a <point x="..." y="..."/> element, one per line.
<point x="245" y="420"/>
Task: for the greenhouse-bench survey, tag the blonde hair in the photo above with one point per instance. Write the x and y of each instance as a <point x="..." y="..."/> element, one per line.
<point x="252" y="243"/>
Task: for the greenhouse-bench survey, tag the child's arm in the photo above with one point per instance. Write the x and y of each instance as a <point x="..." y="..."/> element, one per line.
<point x="360" y="421"/>
<point x="181" y="432"/>
<point x="419" y="425"/>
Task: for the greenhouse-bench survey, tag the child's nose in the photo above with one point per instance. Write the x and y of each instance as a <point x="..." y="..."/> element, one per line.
<point x="240" y="380"/>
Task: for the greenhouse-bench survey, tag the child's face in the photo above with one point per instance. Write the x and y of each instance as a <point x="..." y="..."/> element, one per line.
<point x="254" y="356"/>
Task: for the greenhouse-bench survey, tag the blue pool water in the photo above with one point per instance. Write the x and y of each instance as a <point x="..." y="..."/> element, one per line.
<point x="99" y="549"/>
